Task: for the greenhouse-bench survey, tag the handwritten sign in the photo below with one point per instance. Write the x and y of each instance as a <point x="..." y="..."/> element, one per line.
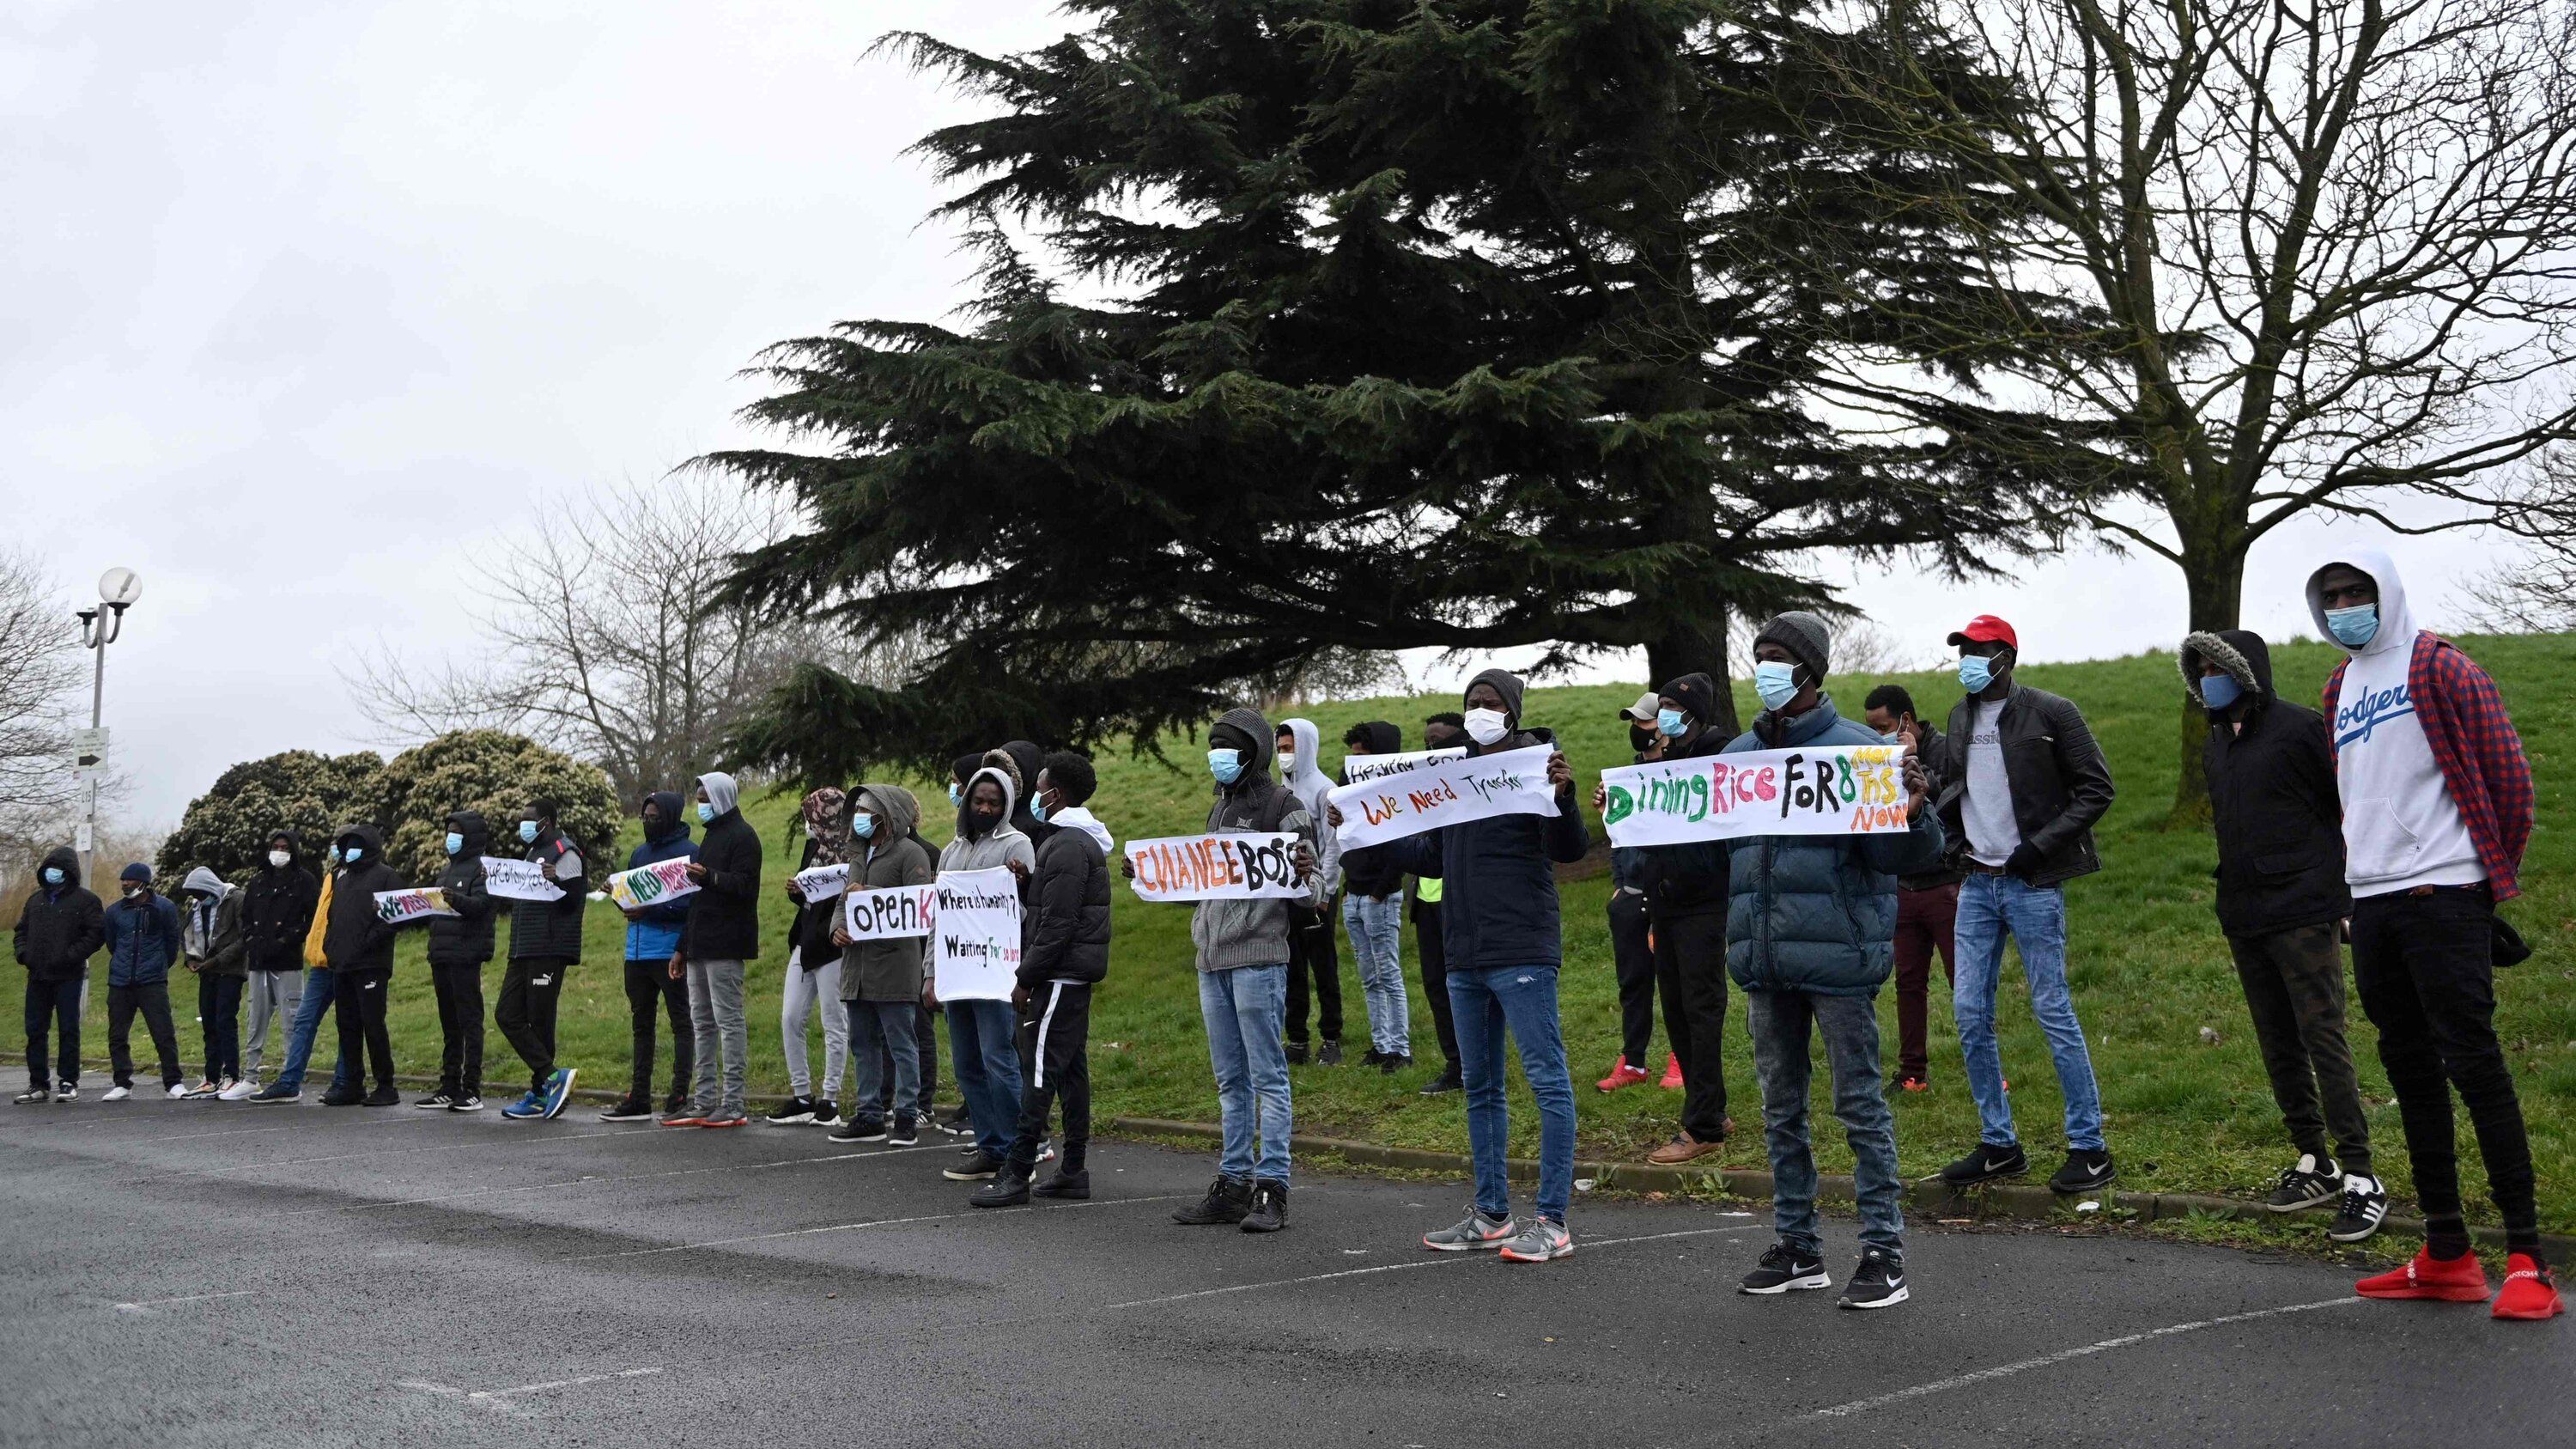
<point x="824" y="881"/>
<point x="1428" y="797"/>
<point x="1359" y="768"/>
<point x="1236" y="866"/>
<point x="651" y="885"/>
<point x="897" y="911"/>
<point x="518" y="880"/>
<point x="1824" y="790"/>
<point x="978" y="931"/>
<point x="401" y="908"/>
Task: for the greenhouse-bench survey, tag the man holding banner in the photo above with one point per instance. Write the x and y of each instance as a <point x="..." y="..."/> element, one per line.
<point x="1686" y="898"/>
<point x="983" y="1034"/>
<point x="882" y="979"/>
<point x="652" y="992"/>
<point x="459" y="946"/>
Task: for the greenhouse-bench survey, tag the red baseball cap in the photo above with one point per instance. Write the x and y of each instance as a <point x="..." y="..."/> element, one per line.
<point x="1986" y="629"/>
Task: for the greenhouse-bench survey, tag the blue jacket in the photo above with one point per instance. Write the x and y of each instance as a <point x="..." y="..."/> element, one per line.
<point x="1818" y="912"/>
<point x="142" y="940"/>
<point x="657" y="935"/>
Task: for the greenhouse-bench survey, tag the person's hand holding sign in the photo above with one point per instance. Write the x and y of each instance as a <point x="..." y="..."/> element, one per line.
<point x="1304" y="856"/>
<point x="1560" y="774"/>
<point x="1918" y="785"/>
<point x="697" y="872"/>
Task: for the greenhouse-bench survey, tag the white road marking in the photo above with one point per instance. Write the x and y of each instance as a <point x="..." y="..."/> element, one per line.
<point x="486" y="1395"/>
<point x="2126" y="1340"/>
<point x="514" y="1141"/>
<point x="145" y="1308"/>
<point x="1427" y="1262"/>
<point x="481" y="1192"/>
<point x="987" y="1213"/>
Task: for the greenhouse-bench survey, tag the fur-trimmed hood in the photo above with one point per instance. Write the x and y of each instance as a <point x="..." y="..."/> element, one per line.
<point x="2239" y="653"/>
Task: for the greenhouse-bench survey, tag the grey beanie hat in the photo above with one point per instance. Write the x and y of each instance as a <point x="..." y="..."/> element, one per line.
<point x="1805" y="636"/>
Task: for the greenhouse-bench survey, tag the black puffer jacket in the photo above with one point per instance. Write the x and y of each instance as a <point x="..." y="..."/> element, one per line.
<point x="2272" y="797"/>
<point x="356" y="937"/>
<point x="1688" y="879"/>
<point x="61" y="927"/>
<point x="1069" y="912"/>
<point x="277" y="910"/>
<point x="724" y="923"/>
<point x="464" y="939"/>
<point x="551" y="930"/>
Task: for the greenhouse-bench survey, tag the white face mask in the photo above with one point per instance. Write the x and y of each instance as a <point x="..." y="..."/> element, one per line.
<point x="1485" y="726"/>
<point x="1287" y="763"/>
<point x="279" y="858"/>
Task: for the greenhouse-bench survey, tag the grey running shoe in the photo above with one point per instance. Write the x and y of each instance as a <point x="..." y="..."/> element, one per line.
<point x="1475" y="1231"/>
<point x="1538" y="1242"/>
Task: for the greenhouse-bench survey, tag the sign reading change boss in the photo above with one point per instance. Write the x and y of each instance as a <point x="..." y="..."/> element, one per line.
<point x="1825" y="790"/>
<point x="1237" y="865"/>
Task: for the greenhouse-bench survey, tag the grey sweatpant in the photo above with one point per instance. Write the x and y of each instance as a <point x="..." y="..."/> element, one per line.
<point x="723" y="1036"/>
<point x="270" y="994"/>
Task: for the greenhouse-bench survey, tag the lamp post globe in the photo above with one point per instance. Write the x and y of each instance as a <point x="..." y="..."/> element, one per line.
<point x="119" y="587"/>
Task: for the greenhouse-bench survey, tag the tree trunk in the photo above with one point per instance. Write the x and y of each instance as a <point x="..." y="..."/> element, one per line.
<point x="2213" y="574"/>
<point x="1696" y="645"/>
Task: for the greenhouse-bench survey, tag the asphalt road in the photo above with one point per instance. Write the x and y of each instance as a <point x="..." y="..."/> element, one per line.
<point x="194" y="1273"/>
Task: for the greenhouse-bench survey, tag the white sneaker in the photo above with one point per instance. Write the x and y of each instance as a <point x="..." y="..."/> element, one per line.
<point x="238" y="1091"/>
<point x="175" y="1091"/>
<point x="116" y="1094"/>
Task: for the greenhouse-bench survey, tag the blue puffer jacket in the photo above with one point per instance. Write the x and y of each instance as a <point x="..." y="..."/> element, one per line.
<point x="657" y="935"/>
<point x="1818" y="912"/>
<point x="142" y="940"/>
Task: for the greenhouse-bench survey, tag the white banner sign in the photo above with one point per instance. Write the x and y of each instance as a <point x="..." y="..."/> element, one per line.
<point x="823" y="882"/>
<point x="1359" y="768"/>
<point x="896" y="911"/>
<point x="651" y="885"/>
<point x="518" y="880"/>
<point x="396" y="908"/>
<point x="978" y="931"/>
<point x="1428" y="797"/>
<point x="1826" y="790"/>
<point x="1234" y="866"/>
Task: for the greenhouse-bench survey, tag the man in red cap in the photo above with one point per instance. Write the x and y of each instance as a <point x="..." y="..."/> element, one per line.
<point x="2021" y="782"/>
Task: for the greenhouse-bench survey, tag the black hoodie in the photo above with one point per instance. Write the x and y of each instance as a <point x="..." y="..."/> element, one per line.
<point x="1372" y="871"/>
<point x="356" y="937"/>
<point x="1688" y="879"/>
<point x="464" y="939"/>
<point x="60" y="927"/>
<point x="277" y="909"/>
<point x="2273" y="799"/>
<point x="1027" y="759"/>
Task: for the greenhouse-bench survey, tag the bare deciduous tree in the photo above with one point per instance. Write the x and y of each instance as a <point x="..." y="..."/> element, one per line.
<point x="39" y="664"/>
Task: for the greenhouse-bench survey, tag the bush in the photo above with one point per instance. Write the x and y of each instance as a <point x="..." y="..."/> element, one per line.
<point x="227" y="828"/>
<point x="497" y="774"/>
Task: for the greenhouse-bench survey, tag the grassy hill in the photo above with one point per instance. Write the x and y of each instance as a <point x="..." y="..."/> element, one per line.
<point x="2148" y="967"/>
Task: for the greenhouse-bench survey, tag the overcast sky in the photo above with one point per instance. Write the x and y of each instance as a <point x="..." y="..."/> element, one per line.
<point x="301" y="306"/>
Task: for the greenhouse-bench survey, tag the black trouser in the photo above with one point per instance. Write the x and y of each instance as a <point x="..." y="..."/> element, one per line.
<point x="2294" y="991"/>
<point x="358" y="1000"/>
<point x="219" y="1016"/>
<point x="1690" y="970"/>
<point x="460" y="1027"/>
<point x="154" y="1002"/>
<point x="54" y="1006"/>
<point x="526" y="1012"/>
<point x="652" y="993"/>
<point x="1055" y="1061"/>
<point x="2425" y="966"/>
<point x="925" y="1037"/>
<point x="1632" y="951"/>
<point x="1432" y="950"/>
<point x="1314" y="950"/>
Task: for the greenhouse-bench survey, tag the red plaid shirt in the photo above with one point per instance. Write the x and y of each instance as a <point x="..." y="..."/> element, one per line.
<point x="2474" y="744"/>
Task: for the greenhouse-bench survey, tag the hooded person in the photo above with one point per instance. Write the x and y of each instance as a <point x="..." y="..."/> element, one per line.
<point x="459" y="946"/>
<point x="142" y="930"/>
<point x="313" y="994"/>
<point x="2437" y="809"/>
<point x="983" y="1035"/>
<point x="884" y="979"/>
<point x="717" y="944"/>
<point x="1504" y="941"/>
<point x="210" y="939"/>
<point x="1026" y="760"/>
<point x="813" y="976"/>
<point x="1314" y="957"/>
<point x="60" y="926"/>
<point x="359" y="946"/>
<point x="545" y="944"/>
<point x="277" y="909"/>
<point x="653" y="991"/>
<point x="1373" y="915"/>
<point x="1685" y="889"/>
<point x="1632" y="934"/>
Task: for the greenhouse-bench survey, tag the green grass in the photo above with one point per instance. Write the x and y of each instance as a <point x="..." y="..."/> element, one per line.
<point x="2148" y="967"/>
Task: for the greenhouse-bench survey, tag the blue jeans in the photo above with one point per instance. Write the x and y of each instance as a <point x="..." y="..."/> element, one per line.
<point x="299" y="1038"/>
<point x="1245" y="1008"/>
<point x="1990" y="906"/>
<point x="983" y="1038"/>
<point x="1523" y="998"/>
<point x="1779" y="1022"/>
<point x="1377" y="941"/>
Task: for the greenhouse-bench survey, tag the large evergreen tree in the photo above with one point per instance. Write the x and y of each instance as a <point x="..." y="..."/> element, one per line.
<point x="1368" y="323"/>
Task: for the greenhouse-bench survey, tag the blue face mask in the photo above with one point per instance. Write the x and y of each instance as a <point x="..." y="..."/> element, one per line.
<point x="863" y="826"/>
<point x="706" y="813"/>
<point x="528" y="832"/>
<point x="53" y="875"/>
<point x="1976" y="671"/>
<point x="353" y="854"/>
<point x="1775" y="683"/>
<point x="1226" y="765"/>
<point x="2218" y="691"/>
<point x="956" y="796"/>
<point x="1037" y="809"/>
<point x="1892" y="737"/>
<point x="455" y="843"/>
<point x="1668" y="723"/>
<point x="2353" y="627"/>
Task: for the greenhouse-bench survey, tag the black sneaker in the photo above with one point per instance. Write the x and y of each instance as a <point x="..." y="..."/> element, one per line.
<point x="672" y="1104"/>
<point x="827" y="1113"/>
<point x="436" y="1101"/>
<point x="1073" y="1184"/>
<point x="1269" y="1211"/>
<point x="792" y="1112"/>
<point x="1784" y="1269"/>
<point x="33" y="1095"/>
<point x="905" y="1133"/>
<point x="2084" y="1171"/>
<point x="960" y="1123"/>
<point x="1009" y="1188"/>
<point x="1227" y="1200"/>
<point x="1297" y="1054"/>
<point x="860" y="1129"/>
<point x="1448" y="1081"/>
<point x="2311" y="1183"/>
<point x="1372" y="1057"/>
<point x="1330" y="1054"/>
<point x="384" y="1096"/>
<point x="1986" y="1163"/>
<point x="1394" y="1062"/>
<point x="468" y="1102"/>
<point x="981" y="1167"/>
<point x="2365" y="1207"/>
<point x="1879" y="1281"/>
<point x="628" y="1109"/>
<point x="341" y="1099"/>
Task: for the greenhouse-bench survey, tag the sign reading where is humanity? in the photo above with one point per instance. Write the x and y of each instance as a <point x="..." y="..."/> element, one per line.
<point x="1236" y="865"/>
<point x="1823" y="790"/>
<point x="653" y="884"/>
<point x="1357" y="769"/>
<point x="518" y="880"/>
<point x="978" y="934"/>
<point x="396" y="908"/>
<point x="1428" y="797"/>
<point x="884" y="915"/>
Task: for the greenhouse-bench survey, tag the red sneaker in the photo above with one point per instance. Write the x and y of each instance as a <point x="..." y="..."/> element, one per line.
<point x="1622" y="1075"/>
<point x="1915" y="1084"/>
<point x="1672" y="1081"/>
<point x="2529" y="1290"/>
<point x="2461" y="1280"/>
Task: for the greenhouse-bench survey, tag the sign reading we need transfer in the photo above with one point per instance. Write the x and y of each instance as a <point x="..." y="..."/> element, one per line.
<point x="1237" y="866"/>
<point x="400" y="908"/>
<point x="1430" y="796"/>
<point x="1825" y="790"/>
<point x="977" y="929"/>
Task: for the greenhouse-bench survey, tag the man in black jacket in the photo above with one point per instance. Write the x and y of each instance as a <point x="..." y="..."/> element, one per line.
<point x="2021" y="783"/>
<point x="721" y="937"/>
<point x="1446" y="729"/>
<point x="1067" y="955"/>
<point x="459" y="945"/>
<point x="359" y="946"/>
<point x="277" y="911"/>
<point x="1632" y="934"/>
<point x="1685" y="889"/>
<point x="1927" y="903"/>
<point x="545" y="943"/>
<point x="2278" y="816"/>
<point x="60" y="926"/>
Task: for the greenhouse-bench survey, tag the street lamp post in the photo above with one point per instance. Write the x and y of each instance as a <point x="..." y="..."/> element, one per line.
<point x="118" y="588"/>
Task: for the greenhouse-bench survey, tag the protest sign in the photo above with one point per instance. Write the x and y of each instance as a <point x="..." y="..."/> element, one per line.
<point x="1357" y="769"/>
<point x="652" y="884"/>
<point x="1822" y="790"/>
<point x="1234" y="866"/>
<point x="883" y="915"/>
<point x="978" y="931"/>
<point x="518" y="880"/>
<point x="1430" y="796"/>
<point x="824" y="881"/>
<point x="399" y="908"/>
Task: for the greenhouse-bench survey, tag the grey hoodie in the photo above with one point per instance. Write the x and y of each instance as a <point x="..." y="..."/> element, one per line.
<point x="1231" y="933"/>
<point x="893" y="970"/>
<point x="1312" y="785"/>
<point x="1003" y="845"/>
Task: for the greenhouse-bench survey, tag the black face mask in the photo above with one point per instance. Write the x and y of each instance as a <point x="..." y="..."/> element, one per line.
<point x="1641" y="740"/>
<point x="981" y="822"/>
